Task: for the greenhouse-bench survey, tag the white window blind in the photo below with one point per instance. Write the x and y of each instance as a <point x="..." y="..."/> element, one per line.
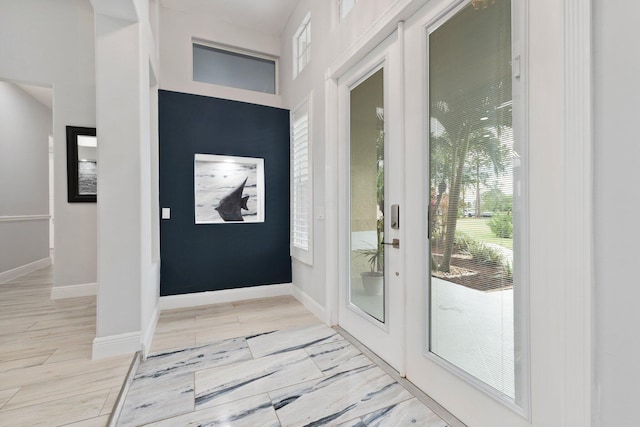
<point x="301" y="217"/>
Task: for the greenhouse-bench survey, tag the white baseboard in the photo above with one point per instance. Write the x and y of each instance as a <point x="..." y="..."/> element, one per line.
<point x="74" y="291"/>
<point x="310" y="304"/>
<point x="14" y="273"/>
<point x="147" y="338"/>
<point x="115" y="345"/>
<point x="227" y="295"/>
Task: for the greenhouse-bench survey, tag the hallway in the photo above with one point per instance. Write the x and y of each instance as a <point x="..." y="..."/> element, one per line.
<point x="47" y="377"/>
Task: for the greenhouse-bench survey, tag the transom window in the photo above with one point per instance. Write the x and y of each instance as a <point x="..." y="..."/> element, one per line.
<point x="302" y="45"/>
<point x="234" y="68"/>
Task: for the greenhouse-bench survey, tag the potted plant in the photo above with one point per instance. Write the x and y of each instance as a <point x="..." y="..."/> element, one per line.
<point x="373" y="280"/>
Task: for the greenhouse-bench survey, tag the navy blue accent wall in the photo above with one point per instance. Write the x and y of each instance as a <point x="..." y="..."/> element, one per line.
<point x="209" y="257"/>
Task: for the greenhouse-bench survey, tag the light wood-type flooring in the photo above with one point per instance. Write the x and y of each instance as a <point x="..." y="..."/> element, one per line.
<point x="202" y="325"/>
<point x="47" y="377"/>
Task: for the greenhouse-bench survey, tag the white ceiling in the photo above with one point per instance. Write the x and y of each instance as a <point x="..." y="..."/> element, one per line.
<point x="265" y="16"/>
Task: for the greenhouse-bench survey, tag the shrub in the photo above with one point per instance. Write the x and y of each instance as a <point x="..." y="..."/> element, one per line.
<point x="484" y="254"/>
<point x="507" y="270"/>
<point x="502" y="225"/>
<point x="462" y="241"/>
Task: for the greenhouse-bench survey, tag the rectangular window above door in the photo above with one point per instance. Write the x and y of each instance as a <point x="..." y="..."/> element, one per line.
<point x="234" y="68"/>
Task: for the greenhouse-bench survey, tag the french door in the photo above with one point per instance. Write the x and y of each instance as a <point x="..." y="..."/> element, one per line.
<point x="370" y="180"/>
<point x="430" y="139"/>
<point x="466" y="314"/>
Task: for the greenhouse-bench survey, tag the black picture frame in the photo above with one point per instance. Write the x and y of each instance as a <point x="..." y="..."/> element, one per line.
<point x="77" y="189"/>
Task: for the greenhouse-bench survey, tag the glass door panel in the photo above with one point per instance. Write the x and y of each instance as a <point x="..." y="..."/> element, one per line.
<point x="471" y="180"/>
<point x="366" y="137"/>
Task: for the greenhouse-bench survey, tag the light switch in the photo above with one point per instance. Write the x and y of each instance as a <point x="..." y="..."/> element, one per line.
<point x="166" y="213"/>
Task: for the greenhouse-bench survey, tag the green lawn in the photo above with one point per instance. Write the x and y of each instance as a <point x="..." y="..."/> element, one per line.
<point x="478" y="229"/>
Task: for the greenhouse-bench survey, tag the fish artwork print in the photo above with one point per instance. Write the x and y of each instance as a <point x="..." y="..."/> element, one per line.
<point x="231" y="205"/>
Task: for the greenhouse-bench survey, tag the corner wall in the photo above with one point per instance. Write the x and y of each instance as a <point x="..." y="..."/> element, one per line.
<point x="25" y="125"/>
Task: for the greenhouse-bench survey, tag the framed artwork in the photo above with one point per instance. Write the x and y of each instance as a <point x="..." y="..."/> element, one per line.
<point x="82" y="148"/>
<point x="228" y="189"/>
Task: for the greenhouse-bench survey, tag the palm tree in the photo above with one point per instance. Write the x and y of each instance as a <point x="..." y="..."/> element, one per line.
<point x="485" y="151"/>
<point x="470" y="94"/>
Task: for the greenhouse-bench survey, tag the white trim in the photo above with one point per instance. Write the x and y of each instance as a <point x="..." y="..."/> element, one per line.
<point x="384" y="26"/>
<point x="74" y="291"/>
<point x="311" y="304"/>
<point x="15" y="218"/>
<point x="14" y="273"/>
<point x="115" y="345"/>
<point x="578" y="182"/>
<point x="234" y="49"/>
<point x="522" y="301"/>
<point x="147" y="337"/>
<point x="172" y="302"/>
<point x="331" y="237"/>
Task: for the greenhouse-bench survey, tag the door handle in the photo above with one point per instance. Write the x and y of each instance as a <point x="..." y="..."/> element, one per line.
<point x="395" y="243"/>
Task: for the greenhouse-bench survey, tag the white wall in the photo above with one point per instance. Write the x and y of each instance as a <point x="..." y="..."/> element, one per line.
<point x="127" y="262"/>
<point x="25" y="125"/>
<point x="330" y="39"/>
<point x="179" y="28"/>
<point x="617" y="203"/>
<point x="52" y="43"/>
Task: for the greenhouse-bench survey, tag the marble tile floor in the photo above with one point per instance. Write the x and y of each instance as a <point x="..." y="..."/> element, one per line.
<point x="47" y="377"/>
<point x="297" y="376"/>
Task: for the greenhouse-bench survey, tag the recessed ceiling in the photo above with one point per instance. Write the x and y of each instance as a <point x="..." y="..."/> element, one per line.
<point x="265" y="16"/>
